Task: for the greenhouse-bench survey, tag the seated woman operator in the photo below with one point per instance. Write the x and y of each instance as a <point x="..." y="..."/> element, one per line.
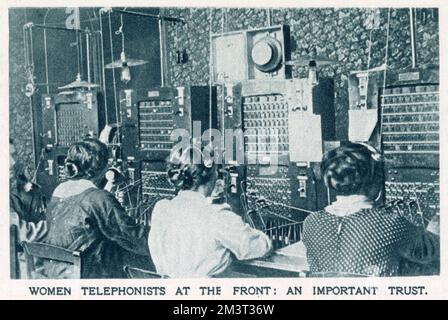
<point x="85" y="218"/>
<point x="192" y="237"/>
<point x="354" y="237"/>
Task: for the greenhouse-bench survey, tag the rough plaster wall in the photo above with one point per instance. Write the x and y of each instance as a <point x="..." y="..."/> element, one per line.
<point x="20" y="122"/>
<point x="342" y="34"/>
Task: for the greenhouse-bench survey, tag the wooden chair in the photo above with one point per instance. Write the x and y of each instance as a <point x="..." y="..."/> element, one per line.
<point x="14" y="269"/>
<point x="49" y="252"/>
<point x="136" y="273"/>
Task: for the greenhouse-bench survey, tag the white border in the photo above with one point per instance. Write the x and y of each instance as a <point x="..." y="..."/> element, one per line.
<point x="436" y="287"/>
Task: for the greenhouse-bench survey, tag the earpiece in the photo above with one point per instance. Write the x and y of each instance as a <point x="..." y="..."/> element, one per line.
<point x="71" y="169"/>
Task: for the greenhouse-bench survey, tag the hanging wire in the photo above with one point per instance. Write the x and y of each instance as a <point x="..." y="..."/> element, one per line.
<point x="31" y="46"/>
<point x="210" y="104"/>
<point x="223" y="93"/>
<point x="268" y="16"/>
<point x="26" y="49"/>
<point x="162" y="55"/>
<point x="370" y="40"/>
<point x="386" y="57"/>
<point x="369" y="56"/>
<point x="222" y="19"/>
<point x="113" y="74"/>
<point x="96" y="57"/>
<point x="287" y="206"/>
<point x="46" y="53"/>
<point x="103" y="72"/>
<point x="88" y="55"/>
<point x="120" y="32"/>
<point x="96" y="54"/>
<point x="272" y="213"/>
<point x="80" y="55"/>
<point x="77" y="51"/>
<point x="225" y="19"/>
<point x="176" y="43"/>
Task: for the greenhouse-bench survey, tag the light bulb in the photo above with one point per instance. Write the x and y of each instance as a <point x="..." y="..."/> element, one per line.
<point x="125" y="73"/>
<point x="312" y="73"/>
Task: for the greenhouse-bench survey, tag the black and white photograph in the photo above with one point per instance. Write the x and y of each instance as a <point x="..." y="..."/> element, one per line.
<point x="189" y="142"/>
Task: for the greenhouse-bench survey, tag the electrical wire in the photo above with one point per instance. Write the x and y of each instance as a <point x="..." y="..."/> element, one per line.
<point x="210" y="75"/>
<point x="370" y="49"/>
<point x="80" y="55"/>
<point x="162" y="56"/>
<point x="26" y="49"/>
<point x="386" y="56"/>
<point x="103" y="72"/>
<point x="46" y="53"/>
<point x="276" y="214"/>
<point x="223" y="95"/>
<point x="222" y="20"/>
<point x="94" y="44"/>
<point x="268" y="17"/>
<point x="287" y="206"/>
<point x="77" y="51"/>
<point x="122" y="33"/>
<point x="88" y="56"/>
<point x="31" y="47"/>
<point x="285" y="225"/>
<point x="273" y="203"/>
<point x="39" y="162"/>
<point x="129" y="199"/>
<point x="113" y="74"/>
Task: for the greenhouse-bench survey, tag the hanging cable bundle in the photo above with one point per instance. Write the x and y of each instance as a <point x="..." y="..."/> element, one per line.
<point x="29" y="58"/>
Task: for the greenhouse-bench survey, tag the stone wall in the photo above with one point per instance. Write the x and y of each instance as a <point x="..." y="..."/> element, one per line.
<point x="342" y="34"/>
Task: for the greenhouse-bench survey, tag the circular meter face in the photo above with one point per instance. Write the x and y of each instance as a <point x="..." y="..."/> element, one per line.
<point x="266" y="54"/>
<point x="262" y="53"/>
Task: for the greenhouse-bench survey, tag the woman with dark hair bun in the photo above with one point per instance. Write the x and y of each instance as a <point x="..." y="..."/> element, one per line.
<point x="84" y="218"/>
<point x="352" y="236"/>
<point x="192" y="237"/>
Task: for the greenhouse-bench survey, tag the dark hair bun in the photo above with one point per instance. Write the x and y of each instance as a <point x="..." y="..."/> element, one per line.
<point x="348" y="168"/>
<point x="186" y="169"/>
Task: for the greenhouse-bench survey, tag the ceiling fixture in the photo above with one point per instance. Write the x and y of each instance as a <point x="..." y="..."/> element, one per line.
<point x="124" y="63"/>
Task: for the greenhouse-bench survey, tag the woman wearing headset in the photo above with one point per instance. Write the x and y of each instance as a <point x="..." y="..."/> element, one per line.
<point x="352" y="235"/>
<point x="84" y="218"/>
<point x="192" y="237"/>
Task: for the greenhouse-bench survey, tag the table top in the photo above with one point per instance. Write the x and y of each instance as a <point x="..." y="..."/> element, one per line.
<point x="291" y="258"/>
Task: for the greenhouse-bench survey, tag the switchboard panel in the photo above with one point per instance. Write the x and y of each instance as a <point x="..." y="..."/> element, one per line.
<point x="149" y="119"/>
<point x="410" y="139"/>
<point x="275" y="183"/>
<point x="66" y="118"/>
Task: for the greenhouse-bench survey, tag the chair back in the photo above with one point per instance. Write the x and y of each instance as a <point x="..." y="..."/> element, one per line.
<point x="14" y="269"/>
<point x="50" y="252"/>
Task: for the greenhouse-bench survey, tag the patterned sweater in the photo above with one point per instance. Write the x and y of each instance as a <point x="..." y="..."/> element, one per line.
<point x="371" y="241"/>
